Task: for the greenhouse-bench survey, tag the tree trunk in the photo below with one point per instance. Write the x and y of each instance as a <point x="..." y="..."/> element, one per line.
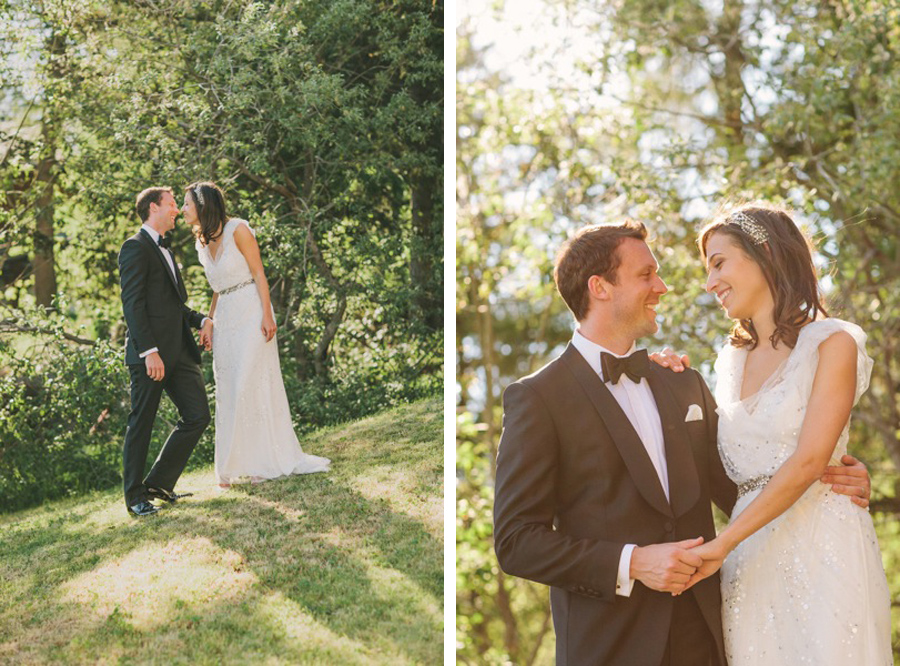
<point x="44" y="263"/>
<point x="426" y="197"/>
<point x="320" y="360"/>
<point x="730" y="84"/>
<point x="421" y="263"/>
<point x="320" y="356"/>
<point x="45" y="180"/>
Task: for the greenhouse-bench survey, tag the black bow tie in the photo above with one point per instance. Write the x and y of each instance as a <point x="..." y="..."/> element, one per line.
<point x="164" y="241"/>
<point x="635" y="366"/>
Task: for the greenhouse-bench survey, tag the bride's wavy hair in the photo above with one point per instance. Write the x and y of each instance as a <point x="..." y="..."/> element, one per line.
<point x="210" y="203"/>
<point x="769" y="237"/>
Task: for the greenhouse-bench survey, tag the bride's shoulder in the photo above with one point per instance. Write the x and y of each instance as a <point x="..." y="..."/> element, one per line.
<point x="816" y="332"/>
<point x="233" y="223"/>
<point x="836" y="338"/>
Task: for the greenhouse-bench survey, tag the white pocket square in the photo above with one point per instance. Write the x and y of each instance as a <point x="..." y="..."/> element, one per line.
<point x="694" y="413"/>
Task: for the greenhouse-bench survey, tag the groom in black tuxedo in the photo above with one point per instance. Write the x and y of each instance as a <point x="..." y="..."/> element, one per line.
<point x="161" y="354"/>
<point x="606" y="469"/>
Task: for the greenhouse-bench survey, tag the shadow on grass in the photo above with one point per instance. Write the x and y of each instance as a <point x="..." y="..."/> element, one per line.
<point x="402" y="543"/>
<point x="335" y="578"/>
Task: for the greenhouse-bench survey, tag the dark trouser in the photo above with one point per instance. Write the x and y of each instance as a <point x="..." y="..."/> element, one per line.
<point x="690" y="641"/>
<point x="184" y="385"/>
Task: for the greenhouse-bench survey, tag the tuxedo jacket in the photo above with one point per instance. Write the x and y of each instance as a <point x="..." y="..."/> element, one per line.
<point x="575" y="485"/>
<point x="154" y="303"/>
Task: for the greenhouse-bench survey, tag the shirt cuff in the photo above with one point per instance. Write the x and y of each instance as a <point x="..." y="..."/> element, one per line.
<point x="624" y="582"/>
<point x="203" y="323"/>
<point x="148" y="352"/>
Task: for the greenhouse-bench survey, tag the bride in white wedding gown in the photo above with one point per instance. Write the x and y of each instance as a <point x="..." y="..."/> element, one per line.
<point x="255" y="437"/>
<point x="803" y="582"/>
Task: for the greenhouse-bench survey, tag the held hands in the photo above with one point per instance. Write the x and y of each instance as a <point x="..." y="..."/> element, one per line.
<point x="713" y="554"/>
<point x="268" y="326"/>
<point x="851" y="478"/>
<point x="156" y="369"/>
<point x="667" y="358"/>
<point x="206" y="335"/>
<point x="666" y="567"/>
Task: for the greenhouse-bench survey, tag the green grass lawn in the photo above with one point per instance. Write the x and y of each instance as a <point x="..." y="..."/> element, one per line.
<point x="337" y="568"/>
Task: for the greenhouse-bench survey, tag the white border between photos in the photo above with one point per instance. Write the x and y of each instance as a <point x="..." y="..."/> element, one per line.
<point x="449" y="333"/>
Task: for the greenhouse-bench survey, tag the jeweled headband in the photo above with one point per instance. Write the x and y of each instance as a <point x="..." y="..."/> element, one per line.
<point x="198" y="194"/>
<point x="749" y="226"/>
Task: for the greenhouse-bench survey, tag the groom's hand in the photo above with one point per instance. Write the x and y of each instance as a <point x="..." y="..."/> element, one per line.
<point x="666" y="567"/>
<point x="851" y="478"/>
<point x="156" y="369"/>
<point x="206" y="334"/>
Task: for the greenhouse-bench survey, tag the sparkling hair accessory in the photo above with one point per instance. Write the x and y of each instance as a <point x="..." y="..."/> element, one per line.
<point x="749" y="226"/>
<point x="198" y="194"/>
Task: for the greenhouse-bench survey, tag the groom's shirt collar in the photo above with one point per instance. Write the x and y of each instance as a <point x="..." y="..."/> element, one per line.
<point x="150" y="230"/>
<point x="591" y="351"/>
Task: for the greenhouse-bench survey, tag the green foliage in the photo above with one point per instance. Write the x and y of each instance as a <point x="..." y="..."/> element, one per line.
<point x="389" y="377"/>
<point x="61" y="417"/>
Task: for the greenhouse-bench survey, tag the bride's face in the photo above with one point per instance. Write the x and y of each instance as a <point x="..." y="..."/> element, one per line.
<point x="189" y="210"/>
<point x="737" y="281"/>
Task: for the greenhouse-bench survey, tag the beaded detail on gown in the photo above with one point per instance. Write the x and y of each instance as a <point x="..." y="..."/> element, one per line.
<point x="255" y="437"/>
<point x="809" y="587"/>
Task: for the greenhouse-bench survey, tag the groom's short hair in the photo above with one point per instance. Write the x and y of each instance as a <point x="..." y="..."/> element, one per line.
<point x="147" y="197"/>
<point x="593" y="250"/>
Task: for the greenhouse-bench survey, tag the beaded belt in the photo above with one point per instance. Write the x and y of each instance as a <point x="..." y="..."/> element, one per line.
<point x="755" y="483"/>
<point x="236" y="287"/>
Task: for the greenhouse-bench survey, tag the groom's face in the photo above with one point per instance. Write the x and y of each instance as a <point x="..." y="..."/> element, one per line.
<point x="637" y="290"/>
<point x="165" y="211"/>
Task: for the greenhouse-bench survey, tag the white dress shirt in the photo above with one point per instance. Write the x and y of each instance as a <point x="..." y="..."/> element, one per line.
<point x="637" y="401"/>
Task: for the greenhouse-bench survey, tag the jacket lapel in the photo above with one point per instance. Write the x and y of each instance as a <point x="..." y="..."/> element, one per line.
<point x="182" y="290"/>
<point x="620" y="431"/>
<point x="158" y="255"/>
<point x="684" y="483"/>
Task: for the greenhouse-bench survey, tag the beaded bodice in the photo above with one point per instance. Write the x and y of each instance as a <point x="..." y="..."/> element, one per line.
<point x="758" y="434"/>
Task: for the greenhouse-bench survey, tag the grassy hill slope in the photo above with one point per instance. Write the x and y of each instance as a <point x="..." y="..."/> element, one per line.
<point x="336" y="568"/>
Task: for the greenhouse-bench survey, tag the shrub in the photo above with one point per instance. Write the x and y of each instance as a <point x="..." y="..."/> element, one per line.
<point x="64" y="408"/>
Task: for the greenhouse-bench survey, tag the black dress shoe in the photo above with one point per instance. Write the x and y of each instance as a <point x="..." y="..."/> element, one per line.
<point x="141" y="509"/>
<point x="165" y="495"/>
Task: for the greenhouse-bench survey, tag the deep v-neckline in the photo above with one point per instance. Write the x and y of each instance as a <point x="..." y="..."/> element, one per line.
<point x="215" y="259"/>
<point x="765" y="386"/>
<point x="771" y="380"/>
